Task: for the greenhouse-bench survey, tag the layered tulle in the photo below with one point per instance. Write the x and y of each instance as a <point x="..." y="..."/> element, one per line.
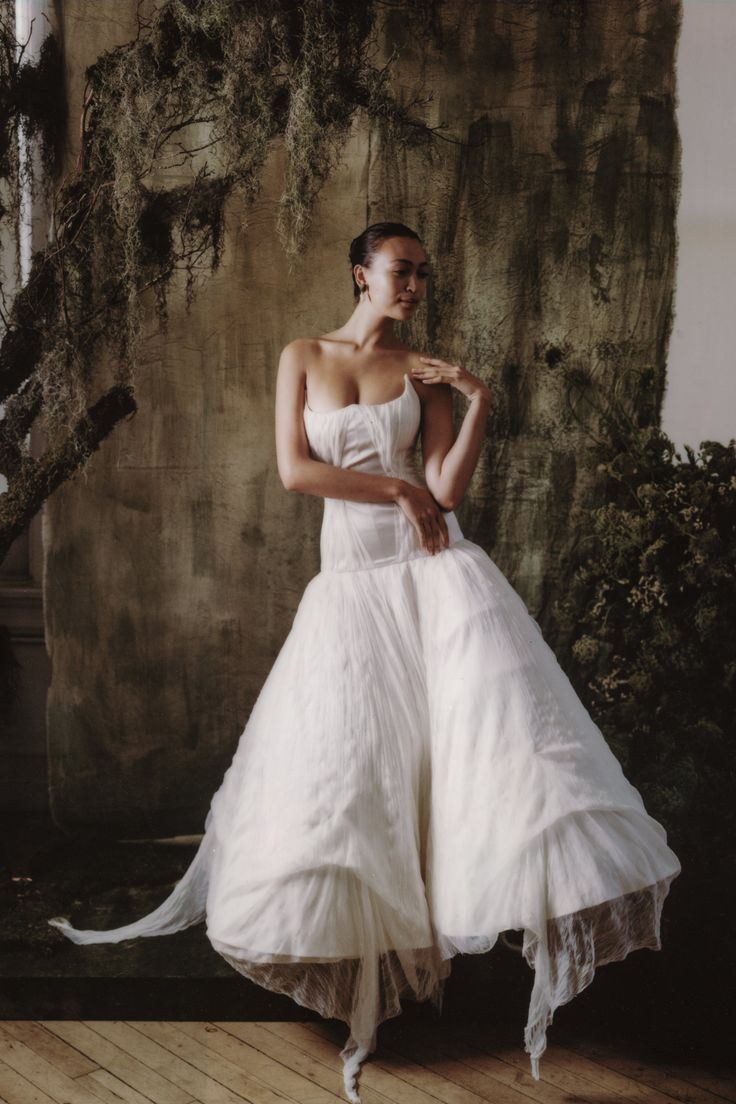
<point x="416" y="776"/>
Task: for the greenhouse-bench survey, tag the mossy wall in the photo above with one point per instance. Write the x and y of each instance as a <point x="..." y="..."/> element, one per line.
<point x="175" y="562"/>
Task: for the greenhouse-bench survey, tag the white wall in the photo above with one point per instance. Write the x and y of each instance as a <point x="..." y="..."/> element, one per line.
<point x="700" y="401"/>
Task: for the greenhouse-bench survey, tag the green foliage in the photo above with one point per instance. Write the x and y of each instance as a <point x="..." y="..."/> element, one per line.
<point x="654" y="651"/>
<point x="651" y="616"/>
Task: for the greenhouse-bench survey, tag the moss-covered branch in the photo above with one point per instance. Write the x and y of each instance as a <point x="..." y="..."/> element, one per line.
<point x="205" y="83"/>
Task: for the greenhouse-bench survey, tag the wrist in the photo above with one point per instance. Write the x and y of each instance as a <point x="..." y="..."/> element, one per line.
<point x="398" y="489"/>
<point x="482" y="398"/>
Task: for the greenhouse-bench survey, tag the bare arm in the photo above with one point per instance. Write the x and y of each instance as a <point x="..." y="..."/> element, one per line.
<point x="448" y="465"/>
<point x="297" y="469"/>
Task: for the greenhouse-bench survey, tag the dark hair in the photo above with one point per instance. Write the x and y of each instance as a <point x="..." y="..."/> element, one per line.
<point x="364" y="247"/>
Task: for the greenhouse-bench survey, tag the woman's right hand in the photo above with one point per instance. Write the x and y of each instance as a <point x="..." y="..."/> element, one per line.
<point x="425" y="515"/>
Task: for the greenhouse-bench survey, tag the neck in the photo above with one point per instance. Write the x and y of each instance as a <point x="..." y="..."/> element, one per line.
<point x="367" y="330"/>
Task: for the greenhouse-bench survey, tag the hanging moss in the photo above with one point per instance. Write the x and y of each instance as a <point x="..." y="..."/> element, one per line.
<point x="206" y="85"/>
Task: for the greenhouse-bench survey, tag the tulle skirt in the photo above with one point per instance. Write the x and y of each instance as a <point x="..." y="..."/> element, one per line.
<point x="417" y="776"/>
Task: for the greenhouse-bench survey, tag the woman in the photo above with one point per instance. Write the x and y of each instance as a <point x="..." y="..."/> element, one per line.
<point x="417" y="775"/>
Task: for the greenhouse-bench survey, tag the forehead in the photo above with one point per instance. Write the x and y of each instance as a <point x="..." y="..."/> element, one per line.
<point x="406" y="249"/>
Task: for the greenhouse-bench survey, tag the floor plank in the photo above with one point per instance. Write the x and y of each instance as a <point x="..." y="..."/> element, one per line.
<point x="184" y="1063"/>
<point x="50" y="1047"/>
<point x="112" y="1090"/>
<point x="486" y="1077"/>
<point x="249" y="1051"/>
<point x="288" y="1054"/>
<point x="721" y="1083"/>
<point x="661" y="1076"/>
<point x="127" y="1068"/>
<point x="44" y="1075"/>
<point x="162" y="1062"/>
<point x="641" y="1083"/>
<point x="401" y="1080"/>
<point x="14" y="1089"/>
<point x="229" y="1074"/>
<point x="601" y="1079"/>
<point x="375" y="1084"/>
<point x="554" y="1071"/>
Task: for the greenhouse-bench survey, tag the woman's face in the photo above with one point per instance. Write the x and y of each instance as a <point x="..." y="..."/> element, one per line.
<point x="396" y="279"/>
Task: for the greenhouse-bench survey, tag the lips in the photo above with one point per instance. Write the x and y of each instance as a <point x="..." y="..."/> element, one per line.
<point x="408" y="302"/>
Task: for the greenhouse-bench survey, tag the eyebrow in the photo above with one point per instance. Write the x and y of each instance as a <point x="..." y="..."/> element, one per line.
<point x="405" y="260"/>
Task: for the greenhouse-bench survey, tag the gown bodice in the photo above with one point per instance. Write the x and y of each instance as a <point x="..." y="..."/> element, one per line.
<point x="380" y="438"/>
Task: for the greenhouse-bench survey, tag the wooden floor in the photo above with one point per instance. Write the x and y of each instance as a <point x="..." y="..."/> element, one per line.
<point x="73" y="1062"/>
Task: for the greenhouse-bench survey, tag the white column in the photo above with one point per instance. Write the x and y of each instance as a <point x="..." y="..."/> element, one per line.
<point x="700" y="399"/>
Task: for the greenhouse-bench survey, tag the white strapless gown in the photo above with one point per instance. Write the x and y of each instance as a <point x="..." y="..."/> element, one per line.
<point x="417" y="775"/>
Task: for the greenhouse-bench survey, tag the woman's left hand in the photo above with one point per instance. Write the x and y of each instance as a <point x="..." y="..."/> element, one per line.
<point x="435" y="370"/>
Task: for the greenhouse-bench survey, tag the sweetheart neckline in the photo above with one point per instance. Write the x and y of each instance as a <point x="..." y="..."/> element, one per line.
<point x="349" y="406"/>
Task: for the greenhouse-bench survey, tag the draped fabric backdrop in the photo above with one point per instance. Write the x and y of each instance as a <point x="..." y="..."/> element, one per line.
<point x="175" y="563"/>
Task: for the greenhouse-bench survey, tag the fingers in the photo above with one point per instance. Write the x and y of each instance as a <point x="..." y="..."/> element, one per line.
<point x="431" y="366"/>
<point x="425" y="537"/>
<point x="435" y="534"/>
<point x="443" y="533"/>
<point x="431" y="525"/>
<point x="439" y="371"/>
<point x="425" y="534"/>
<point x="443" y="536"/>
<point x="432" y="363"/>
<point x="430" y="374"/>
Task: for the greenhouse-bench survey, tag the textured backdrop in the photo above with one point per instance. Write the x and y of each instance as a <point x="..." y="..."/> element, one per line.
<point x="175" y="563"/>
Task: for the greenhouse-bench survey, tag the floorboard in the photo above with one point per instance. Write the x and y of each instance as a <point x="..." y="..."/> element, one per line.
<point x="282" y="1062"/>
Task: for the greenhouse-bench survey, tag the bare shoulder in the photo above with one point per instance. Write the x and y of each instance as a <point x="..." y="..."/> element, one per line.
<point x="296" y="357"/>
<point x="299" y="350"/>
